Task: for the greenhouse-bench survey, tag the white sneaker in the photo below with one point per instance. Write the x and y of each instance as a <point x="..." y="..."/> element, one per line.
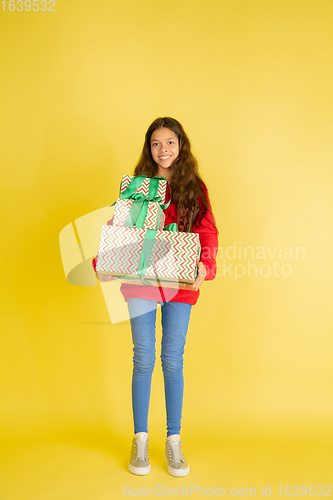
<point x="177" y="463"/>
<point x="139" y="461"/>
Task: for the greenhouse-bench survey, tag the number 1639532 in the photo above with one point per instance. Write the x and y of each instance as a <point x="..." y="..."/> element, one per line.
<point x="26" y="5"/>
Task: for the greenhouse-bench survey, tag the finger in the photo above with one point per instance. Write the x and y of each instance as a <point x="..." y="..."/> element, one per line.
<point x="202" y="272"/>
<point x="198" y="283"/>
<point x="202" y="269"/>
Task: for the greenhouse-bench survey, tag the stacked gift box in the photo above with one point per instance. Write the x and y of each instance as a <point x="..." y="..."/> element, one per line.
<point x="137" y="249"/>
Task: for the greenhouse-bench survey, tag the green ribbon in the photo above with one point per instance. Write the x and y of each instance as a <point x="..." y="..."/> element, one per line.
<point x="147" y="248"/>
<point x="139" y="208"/>
<point x="171" y="227"/>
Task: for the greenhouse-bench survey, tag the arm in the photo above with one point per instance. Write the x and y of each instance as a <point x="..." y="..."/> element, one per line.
<point x="208" y="236"/>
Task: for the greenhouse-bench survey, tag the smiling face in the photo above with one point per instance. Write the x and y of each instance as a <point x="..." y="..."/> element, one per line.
<point x="164" y="146"/>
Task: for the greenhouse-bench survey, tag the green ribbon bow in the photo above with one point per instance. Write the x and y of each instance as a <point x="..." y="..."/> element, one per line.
<point x="139" y="208"/>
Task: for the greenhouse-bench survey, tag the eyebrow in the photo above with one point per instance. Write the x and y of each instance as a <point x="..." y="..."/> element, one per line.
<point x="168" y="139"/>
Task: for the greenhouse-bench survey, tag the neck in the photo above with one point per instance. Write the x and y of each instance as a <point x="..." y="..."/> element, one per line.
<point x="165" y="173"/>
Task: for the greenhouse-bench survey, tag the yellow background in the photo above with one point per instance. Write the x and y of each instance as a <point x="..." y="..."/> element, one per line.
<point x="251" y="81"/>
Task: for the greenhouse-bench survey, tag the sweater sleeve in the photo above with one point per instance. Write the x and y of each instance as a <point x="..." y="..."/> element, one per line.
<point x="208" y="236"/>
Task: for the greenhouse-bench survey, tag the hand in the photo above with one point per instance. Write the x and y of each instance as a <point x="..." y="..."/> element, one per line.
<point x="202" y="272"/>
<point x="105" y="277"/>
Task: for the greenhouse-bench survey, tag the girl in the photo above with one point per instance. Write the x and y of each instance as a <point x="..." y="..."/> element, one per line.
<point x="167" y="153"/>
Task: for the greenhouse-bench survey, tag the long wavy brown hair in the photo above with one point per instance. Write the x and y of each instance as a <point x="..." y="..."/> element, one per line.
<point x="186" y="184"/>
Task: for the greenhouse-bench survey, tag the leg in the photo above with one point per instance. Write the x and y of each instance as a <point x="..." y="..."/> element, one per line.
<point x="143" y="323"/>
<point x="175" y="320"/>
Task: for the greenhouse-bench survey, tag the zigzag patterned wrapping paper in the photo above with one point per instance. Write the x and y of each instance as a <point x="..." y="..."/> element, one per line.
<point x="174" y="257"/>
<point x="144" y="188"/>
<point x="123" y="207"/>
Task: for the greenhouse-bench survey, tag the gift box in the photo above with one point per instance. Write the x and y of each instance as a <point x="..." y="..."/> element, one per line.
<point x="157" y="282"/>
<point x="127" y="214"/>
<point x="153" y="257"/>
<point x="145" y="186"/>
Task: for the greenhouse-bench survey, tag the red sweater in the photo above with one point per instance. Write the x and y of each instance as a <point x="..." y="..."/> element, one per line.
<point x="209" y="246"/>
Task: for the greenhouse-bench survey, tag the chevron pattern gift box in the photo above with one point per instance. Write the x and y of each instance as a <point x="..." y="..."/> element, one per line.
<point x="144" y="187"/>
<point x="154" y="257"/>
<point x="122" y="215"/>
<point x="157" y="282"/>
<point x="141" y="202"/>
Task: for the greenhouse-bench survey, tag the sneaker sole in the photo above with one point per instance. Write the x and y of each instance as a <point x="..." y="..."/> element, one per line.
<point x="177" y="472"/>
<point x="139" y="471"/>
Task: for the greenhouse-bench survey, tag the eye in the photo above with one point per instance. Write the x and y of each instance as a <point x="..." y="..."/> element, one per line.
<point x="171" y="142"/>
<point x="155" y="144"/>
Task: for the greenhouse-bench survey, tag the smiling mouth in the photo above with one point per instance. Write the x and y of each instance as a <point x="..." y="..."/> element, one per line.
<point x="164" y="158"/>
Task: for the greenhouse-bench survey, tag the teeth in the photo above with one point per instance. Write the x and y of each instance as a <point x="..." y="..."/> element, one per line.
<point x="164" y="157"/>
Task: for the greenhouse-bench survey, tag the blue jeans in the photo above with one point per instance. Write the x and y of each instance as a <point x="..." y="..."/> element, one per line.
<point x="175" y="319"/>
